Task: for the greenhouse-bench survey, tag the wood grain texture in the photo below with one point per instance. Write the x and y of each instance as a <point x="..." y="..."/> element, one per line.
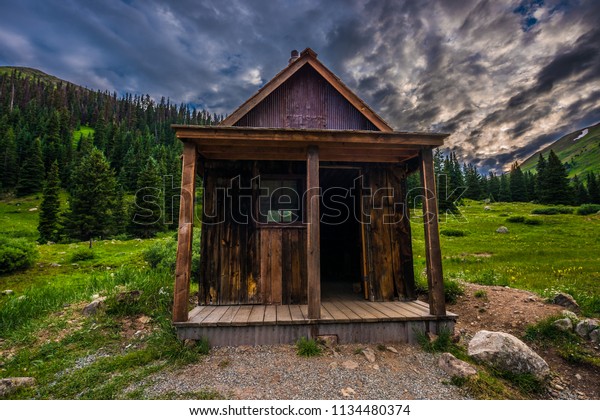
<point x="313" y="252"/>
<point x="433" y="252"/>
<point x="183" y="264"/>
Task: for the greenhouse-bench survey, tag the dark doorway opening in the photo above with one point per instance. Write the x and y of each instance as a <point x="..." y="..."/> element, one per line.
<point x="341" y="246"/>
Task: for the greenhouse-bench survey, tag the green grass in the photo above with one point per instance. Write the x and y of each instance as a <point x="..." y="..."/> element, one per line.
<point x="562" y="254"/>
<point x="306" y="347"/>
<point x="84" y="131"/>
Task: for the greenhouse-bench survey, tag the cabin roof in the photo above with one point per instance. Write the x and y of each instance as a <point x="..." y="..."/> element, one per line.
<point x="307" y="58"/>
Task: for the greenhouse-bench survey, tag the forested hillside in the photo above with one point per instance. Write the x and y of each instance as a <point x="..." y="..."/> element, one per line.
<point x="105" y="148"/>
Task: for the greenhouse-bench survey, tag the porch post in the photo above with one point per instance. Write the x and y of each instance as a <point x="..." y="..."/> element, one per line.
<point x="183" y="265"/>
<point x="433" y="252"/>
<point x="313" y="250"/>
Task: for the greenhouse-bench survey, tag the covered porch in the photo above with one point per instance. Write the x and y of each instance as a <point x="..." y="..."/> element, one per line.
<point x="353" y="320"/>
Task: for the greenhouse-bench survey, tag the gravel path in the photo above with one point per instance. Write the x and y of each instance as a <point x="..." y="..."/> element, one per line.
<point x="276" y="372"/>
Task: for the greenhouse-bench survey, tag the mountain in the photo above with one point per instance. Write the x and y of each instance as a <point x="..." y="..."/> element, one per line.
<point x="32" y="74"/>
<point x="579" y="151"/>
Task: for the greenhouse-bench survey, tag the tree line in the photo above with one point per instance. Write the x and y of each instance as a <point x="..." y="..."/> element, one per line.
<point x="549" y="184"/>
<point x="130" y="148"/>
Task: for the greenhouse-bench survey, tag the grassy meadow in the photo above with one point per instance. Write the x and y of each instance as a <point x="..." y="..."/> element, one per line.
<point x="44" y="334"/>
<point x="553" y="253"/>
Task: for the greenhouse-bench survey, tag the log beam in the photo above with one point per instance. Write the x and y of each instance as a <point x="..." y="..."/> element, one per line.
<point x="183" y="265"/>
<point x="433" y="252"/>
<point x="313" y="249"/>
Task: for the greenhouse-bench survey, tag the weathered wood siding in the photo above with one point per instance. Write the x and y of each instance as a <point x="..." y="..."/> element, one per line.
<point x="241" y="263"/>
<point x="388" y="235"/>
<point x="306" y="100"/>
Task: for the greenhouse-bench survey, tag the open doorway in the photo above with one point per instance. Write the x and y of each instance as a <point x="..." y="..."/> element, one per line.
<point x="340" y="232"/>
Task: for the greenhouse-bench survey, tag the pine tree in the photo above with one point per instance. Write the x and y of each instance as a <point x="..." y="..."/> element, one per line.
<point x="32" y="172"/>
<point x="556" y="184"/>
<point x="92" y="199"/>
<point x="593" y="188"/>
<point x="541" y="180"/>
<point x="494" y="187"/>
<point x="146" y="218"/>
<point x="472" y="182"/>
<point x="48" y="226"/>
<point x="580" y="194"/>
<point x="9" y="169"/>
<point x="518" y="189"/>
<point x="504" y="192"/>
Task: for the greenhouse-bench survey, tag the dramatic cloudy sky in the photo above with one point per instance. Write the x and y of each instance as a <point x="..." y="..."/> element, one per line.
<point x="504" y="77"/>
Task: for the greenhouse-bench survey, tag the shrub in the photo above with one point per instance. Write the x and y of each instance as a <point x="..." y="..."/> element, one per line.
<point x="516" y="219"/>
<point x="453" y="232"/>
<point x="161" y="254"/>
<point x="553" y="210"/>
<point x="586" y="209"/>
<point x="452" y="290"/>
<point x="532" y="222"/>
<point x="16" y="254"/>
<point x="308" y="347"/>
<point x="82" y="254"/>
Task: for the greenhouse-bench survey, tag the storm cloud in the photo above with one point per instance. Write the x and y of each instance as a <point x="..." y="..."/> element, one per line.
<point x="505" y="78"/>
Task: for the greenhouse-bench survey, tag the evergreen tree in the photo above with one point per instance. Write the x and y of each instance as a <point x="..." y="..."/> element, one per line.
<point x="580" y="194"/>
<point x="593" y="188"/>
<point x="530" y="180"/>
<point x="504" y="192"/>
<point x="92" y="199"/>
<point x="556" y="184"/>
<point x="541" y="186"/>
<point x="518" y="189"/>
<point x="48" y="225"/>
<point x="494" y="187"/>
<point x="146" y="219"/>
<point x="9" y="168"/>
<point x="472" y="182"/>
<point x="32" y="171"/>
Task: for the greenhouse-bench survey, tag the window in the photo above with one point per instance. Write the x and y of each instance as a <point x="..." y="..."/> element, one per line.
<point x="279" y="201"/>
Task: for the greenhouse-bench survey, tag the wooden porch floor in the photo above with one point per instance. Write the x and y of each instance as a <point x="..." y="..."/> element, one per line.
<point x="351" y="320"/>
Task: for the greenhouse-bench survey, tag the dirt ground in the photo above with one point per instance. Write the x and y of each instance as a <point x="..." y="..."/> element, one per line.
<point x="511" y="310"/>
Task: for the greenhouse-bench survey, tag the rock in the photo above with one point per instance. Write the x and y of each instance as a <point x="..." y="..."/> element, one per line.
<point x="55" y="265"/>
<point x="8" y="292"/>
<point x="578" y="377"/>
<point x="144" y="319"/>
<point x="330" y="341"/>
<point x="455" y="367"/>
<point x="350" y="364"/>
<point x="10" y="385"/>
<point x="564" y="324"/>
<point x="92" y="307"/>
<point x="391" y="349"/>
<point x="566" y="300"/>
<point x="33" y="209"/>
<point x="595" y="336"/>
<point x="369" y="355"/>
<point x="456" y="337"/>
<point x="487" y="208"/>
<point x="348" y="392"/>
<point x="129" y="297"/>
<point x="571" y="315"/>
<point x="506" y="352"/>
<point x="585" y="327"/>
<point x="189" y="343"/>
<point x="502" y="229"/>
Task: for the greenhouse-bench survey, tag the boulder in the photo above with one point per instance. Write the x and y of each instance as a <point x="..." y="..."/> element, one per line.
<point x="502" y="229"/>
<point x="566" y="300"/>
<point x="350" y="364"/>
<point x="92" y="307"/>
<point x="8" y="292"/>
<point x="392" y="349"/>
<point x="10" y="385"/>
<point x="487" y="208"/>
<point x="595" y="336"/>
<point x="571" y="315"/>
<point x="505" y="351"/>
<point x="329" y="341"/>
<point x="564" y="324"/>
<point x="455" y="367"/>
<point x="585" y="327"/>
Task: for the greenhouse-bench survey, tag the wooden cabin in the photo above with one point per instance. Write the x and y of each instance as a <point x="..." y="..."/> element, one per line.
<point x="305" y="228"/>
